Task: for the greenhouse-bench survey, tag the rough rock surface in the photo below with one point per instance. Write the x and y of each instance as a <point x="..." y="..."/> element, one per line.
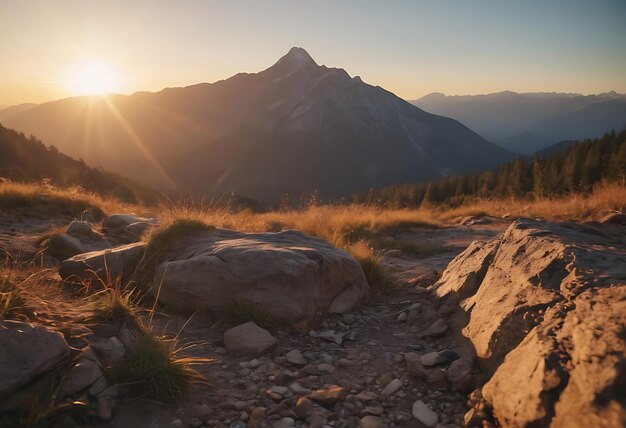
<point x="291" y="275"/>
<point x="126" y="228"/>
<point x="118" y="262"/>
<point x="78" y="237"/>
<point x="26" y="351"/>
<point x="547" y="310"/>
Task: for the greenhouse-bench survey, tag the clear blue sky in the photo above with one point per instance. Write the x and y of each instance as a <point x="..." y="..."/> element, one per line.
<point x="409" y="47"/>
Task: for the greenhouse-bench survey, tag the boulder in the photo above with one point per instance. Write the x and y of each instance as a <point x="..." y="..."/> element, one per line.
<point x="118" y="262"/>
<point x="27" y="351"/>
<point x="126" y="228"/>
<point x="79" y="237"/>
<point x="248" y="338"/>
<point x="290" y="275"/>
<point x="547" y="310"/>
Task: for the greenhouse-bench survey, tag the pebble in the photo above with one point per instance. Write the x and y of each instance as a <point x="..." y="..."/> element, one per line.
<point x="325" y="368"/>
<point x="371" y="422"/>
<point x="329" y="396"/>
<point x="423" y="414"/>
<point x="295" y="357"/>
<point x="392" y="387"/>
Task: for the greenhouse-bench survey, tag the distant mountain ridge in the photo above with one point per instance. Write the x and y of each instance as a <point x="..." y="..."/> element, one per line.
<point x="292" y="128"/>
<point x="527" y="122"/>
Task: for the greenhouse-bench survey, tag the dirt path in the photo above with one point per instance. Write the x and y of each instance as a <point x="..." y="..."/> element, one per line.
<point x="370" y="361"/>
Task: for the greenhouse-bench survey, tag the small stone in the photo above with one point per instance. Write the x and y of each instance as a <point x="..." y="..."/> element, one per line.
<point x="298" y="389"/>
<point x="371" y="422"/>
<point x="221" y="351"/>
<point x="372" y="408"/>
<point x="284" y="423"/>
<point x="438" y="328"/>
<point x="295" y="357"/>
<point x="248" y="338"/>
<point x="423" y="414"/>
<point x="254" y="364"/>
<point x="402" y="317"/>
<point x="84" y="374"/>
<point x="366" y="396"/>
<point x="329" y="396"/>
<point x="316" y="420"/>
<point x="445" y="356"/>
<point x="303" y="407"/>
<point x="325" y="368"/>
<point x="414" y="366"/>
<point x="392" y="387"/>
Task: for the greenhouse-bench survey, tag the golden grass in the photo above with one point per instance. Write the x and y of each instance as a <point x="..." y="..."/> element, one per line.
<point x="43" y="200"/>
<point x="574" y="207"/>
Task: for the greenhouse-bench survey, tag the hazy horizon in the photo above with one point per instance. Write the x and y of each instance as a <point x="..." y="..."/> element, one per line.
<point x="409" y="48"/>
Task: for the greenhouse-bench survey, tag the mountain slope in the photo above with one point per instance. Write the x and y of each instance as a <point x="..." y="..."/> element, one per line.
<point x="294" y="127"/>
<point x="526" y="123"/>
<point x="28" y="159"/>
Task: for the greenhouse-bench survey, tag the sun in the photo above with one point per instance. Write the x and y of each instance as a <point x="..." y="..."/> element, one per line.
<point x="94" y="77"/>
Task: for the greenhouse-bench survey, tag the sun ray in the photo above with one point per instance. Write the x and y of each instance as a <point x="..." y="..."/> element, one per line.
<point x="136" y="139"/>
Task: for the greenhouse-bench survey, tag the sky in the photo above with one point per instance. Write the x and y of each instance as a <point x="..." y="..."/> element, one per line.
<point x="411" y="48"/>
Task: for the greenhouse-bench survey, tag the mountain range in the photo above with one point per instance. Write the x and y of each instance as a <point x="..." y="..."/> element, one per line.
<point x="528" y="122"/>
<point x="290" y="129"/>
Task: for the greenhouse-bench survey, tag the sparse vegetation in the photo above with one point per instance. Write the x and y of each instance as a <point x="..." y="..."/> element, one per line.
<point x="155" y="368"/>
<point x="113" y="304"/>
<point x="239" y="311"/>
<point x="378" y="277"/>
<point x="160" y="242"/>
<point x="12" y="303"/>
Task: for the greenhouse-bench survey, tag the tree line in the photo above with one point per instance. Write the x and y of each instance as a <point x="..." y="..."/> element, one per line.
<point x="572" y="170"/>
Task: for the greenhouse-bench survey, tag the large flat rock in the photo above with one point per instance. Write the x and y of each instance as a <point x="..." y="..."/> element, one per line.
<point x="547" y="314"/>
<point x="290" y="275"/>
<point x="110" y="264"/>
<point x="27" y="351"/>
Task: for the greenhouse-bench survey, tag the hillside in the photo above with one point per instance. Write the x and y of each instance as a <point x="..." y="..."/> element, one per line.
<point x="527" y="122"/>
<point x="28" y="159"/>
<point x="292" y="128"/>
<point x="571" y="170"/>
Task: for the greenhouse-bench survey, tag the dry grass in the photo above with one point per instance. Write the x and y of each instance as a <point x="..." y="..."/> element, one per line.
<point x="575" y="207"/>
<point x="44" y="200"/>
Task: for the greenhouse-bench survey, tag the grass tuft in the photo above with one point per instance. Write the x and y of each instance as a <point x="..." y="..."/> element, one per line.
<point x="153" y="368"/>
<point x="161" y="240"/>
<point x="239" y="311"/>
<point x="12" y="304"/>
<point x="378" y="278"/>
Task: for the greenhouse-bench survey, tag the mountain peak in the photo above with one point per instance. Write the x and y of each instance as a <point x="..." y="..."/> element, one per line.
<point x="295" y="59"/>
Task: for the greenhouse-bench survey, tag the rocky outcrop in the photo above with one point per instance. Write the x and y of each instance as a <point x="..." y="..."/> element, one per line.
<point x="28" y="351"/>
<point x="290" y="275"/>
<point x="108" y="265"/>
<point x="79" y="237"/>
<point x="547" y="313"/>
<point x="126" y="228"/>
